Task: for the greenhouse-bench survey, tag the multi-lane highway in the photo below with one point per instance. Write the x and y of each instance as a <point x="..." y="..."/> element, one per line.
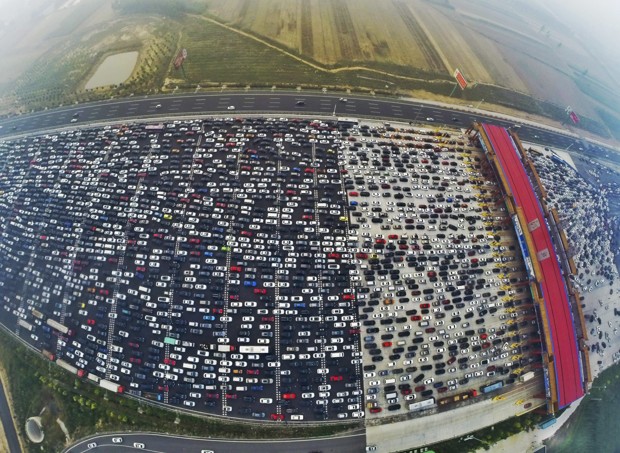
<point x="351" y="443"/>
<point x="288" y="103"/>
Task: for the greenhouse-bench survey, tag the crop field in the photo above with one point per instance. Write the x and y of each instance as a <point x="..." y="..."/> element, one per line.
<point x="520" y="47"/>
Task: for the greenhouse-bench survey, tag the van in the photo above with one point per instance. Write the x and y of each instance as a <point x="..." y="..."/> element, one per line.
<point x="390" y="381"/>
<point x="336" y="354"/>
<point x="392" y="395"/>
<point x="189" y="366"/>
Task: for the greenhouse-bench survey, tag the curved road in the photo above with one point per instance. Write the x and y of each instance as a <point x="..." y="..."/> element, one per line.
<point x="280" y="103"/>
<point x="7" y="423"/>
<point x="352" y="443"/>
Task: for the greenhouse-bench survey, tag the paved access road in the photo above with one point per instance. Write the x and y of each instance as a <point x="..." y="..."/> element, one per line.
<point x="7" y="423"/>
<point x="261" y="102"/>
<point x="352" y="443"/>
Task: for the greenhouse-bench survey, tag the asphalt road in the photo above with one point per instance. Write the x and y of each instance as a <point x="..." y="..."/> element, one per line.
<point x="354" y="443"/>
<point x="7" y="423"/>
<point x="261" y="102"/>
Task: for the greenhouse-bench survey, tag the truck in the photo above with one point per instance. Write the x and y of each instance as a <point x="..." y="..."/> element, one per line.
<point x="111" y="386"/>
<point x="422" y="405"/>
<point x="492" y="387"/>
<point x="526" y="376"/>
<point x="254" y="349"/>
<point x="37" y="314"/>
<point x="171" y="341"/>
<point x="59" y="327"/>
<point x="49" y="355"/>
<point x="26" y="325"/>
<point x="70" y="368"/>
<point x="222" y="347"/>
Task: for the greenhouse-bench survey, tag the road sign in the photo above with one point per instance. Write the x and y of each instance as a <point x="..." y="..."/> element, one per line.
<point x="460" y="79"/>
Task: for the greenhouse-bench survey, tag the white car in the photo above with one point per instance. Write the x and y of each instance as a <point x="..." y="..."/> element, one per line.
<point x="117" y="440"/>
<point x="158" y="106"/>
<point x="138" y="445"/>
<point x="92" y="445"/>
<point x="430" y="120"/>
<point x="230" y="107"/>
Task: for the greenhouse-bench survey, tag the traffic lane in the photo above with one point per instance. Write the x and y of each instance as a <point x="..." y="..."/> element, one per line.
<point x="383" y="108"/>
<point x="352" y="443"/>
<point x="7" y="423"/>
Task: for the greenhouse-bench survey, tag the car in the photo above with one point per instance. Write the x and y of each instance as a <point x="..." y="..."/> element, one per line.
<point x="300" y="103"/>
<point x="343" y="99"/>
<point x="207" y="451"/>
<point x="74" y="120"/>
<point x="92" y="445"/>
<point x="117" y="440"/>
<point x="230" y="107"/>
<point x="430" y="120"/>
<point x="158" y="106"/>
<point x="139" y="445"/>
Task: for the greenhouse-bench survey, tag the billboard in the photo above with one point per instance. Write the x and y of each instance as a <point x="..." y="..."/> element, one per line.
<point x="460" y="79"/>
<point x="574" y="118"/>
<point x="572" y="115"/>
<point x="180" y="58"/>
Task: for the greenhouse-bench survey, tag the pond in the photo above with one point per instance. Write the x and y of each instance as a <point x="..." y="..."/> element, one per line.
<point x="115" y="69"/>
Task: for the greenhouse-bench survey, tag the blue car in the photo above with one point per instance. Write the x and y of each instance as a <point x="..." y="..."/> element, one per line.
<point x="208" y="318"/>
<point x="249" y="283"/>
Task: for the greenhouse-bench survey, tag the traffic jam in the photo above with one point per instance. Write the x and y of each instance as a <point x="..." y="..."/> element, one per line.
<point x="264" y="268"/>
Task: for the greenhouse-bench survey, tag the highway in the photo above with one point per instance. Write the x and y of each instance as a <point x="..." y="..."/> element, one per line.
<point x="352" y="443"/>
<point x="7" y="423"/>
<point x="280" y="103"/>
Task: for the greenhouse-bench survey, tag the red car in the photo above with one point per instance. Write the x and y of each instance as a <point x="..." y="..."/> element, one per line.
<point x="231" y="396"/>
<point x="348" y="297"/>
<point x="260" y="291"/>
<point x="289" y="396"/>
<point x="333" y="255"/>
<point x="135" y="360"/>
<point x="335" y="378"/>
<point x="380" y="241"/>
<point x="353" y="194"/>
<point x="406" y="391"/>
<point x="361" y="256"/>
<point x="212" y="396"/>
<point x="90" y="322"/>
<point x="387" y="344"/>
<point x="235" y="269"/>
<point x="254" y="372"/>
<point x="169" y="361"/>
<point x="375" y="410"/>
<point x="277" y="417"/>
<point x="393" y="236"/>
<point x="425" y="305"/>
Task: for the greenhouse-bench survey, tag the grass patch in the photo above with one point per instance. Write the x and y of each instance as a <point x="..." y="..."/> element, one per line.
<point x="594" y="423"/>
<point x="35" y="384"/>
<point x="490" y="435"/>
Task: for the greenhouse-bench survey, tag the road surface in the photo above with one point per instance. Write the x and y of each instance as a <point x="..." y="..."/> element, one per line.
<point x="281" y="104"/>
<point x="7" y="423"/>
<point x="352" y="443"/>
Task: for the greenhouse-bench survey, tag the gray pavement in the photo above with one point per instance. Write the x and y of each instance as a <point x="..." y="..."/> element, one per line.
<point x="352" y="443"/>
<point x="430" y="429"/>
<point x="7" y="423"/>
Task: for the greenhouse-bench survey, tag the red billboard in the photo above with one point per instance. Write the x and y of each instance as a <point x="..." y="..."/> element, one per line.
<point x="574" y="118"/>
<point x="180" y="58"/>
<point x="460" y="79"/>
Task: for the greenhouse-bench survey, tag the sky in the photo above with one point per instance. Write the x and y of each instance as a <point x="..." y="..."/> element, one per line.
<point x="597" y="18"/>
